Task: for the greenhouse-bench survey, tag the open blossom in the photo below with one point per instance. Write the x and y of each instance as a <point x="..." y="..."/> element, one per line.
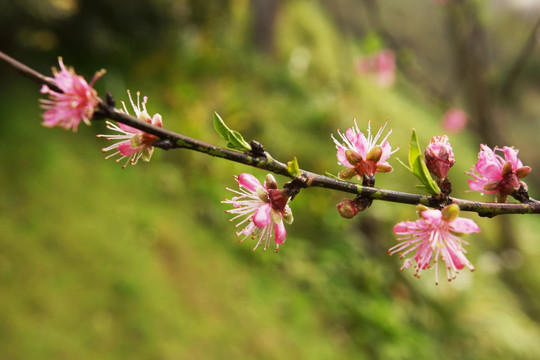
<point x="261" y="210"/>
<point x="134" y="144"/>
<point x="435" y="235"/>
<point x="494" y="174"/>
<point x="362" y="155"/>
<point x="382" y="65"/>
<point x="74" y="104"/>
<point x="439" y="156"/>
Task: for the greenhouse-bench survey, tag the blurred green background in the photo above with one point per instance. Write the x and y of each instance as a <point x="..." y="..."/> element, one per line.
<point x="97" y="262"/>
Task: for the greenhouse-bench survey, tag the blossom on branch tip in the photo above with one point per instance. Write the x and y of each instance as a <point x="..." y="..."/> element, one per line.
<point x="435" y="235"/>
<point x="135" y="144"/>
<point x="362" y="155"/>
<point x="494" y="174"/>
<point x="439" y="156"/>
<point x="75" y="103"/>
<point x="261" y="210"/>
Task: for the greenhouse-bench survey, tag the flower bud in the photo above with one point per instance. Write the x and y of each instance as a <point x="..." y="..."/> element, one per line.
<point x="347" y="208"/>
<point x="439" y="156"/>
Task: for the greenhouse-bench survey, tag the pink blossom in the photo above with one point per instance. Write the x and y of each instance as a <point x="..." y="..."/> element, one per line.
<point x="439" y="156"/>
<point x="362" y="155"/>
<point x="382" y="65"/>
<point x="454" y="120"/>
<point x="135" y="143"/>
<point x="261" y="210"/>
<point x="494" y="174"/>
<point x="75" y="103"/>
<point x="435" y="234"/>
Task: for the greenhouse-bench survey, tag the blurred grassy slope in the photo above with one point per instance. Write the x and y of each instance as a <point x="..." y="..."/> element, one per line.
<point x="99" y="262"/>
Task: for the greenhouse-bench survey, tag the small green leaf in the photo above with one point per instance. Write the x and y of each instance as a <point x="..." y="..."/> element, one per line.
<point x="293" y="168"/>
<point x="418" y="167"/>
<point x="414" y="149"/>
<point x="234" y="138"/>
<point x="220" y="126"/>
<point x="238" y="141"/>
<point x="404" y="165"/>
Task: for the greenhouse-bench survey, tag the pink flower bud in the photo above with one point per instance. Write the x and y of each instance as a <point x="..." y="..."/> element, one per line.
<point x="439" y="156"/>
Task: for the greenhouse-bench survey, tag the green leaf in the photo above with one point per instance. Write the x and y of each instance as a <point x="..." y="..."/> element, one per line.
<point x="418" y="167"/>
<point x="236" y="141"/>
<point x="414" y="149"/>
<point x="220" y="126"/>
<point x="404" y="165"/>
<point x="234" y="138"/>
<point x="293" y="168"/>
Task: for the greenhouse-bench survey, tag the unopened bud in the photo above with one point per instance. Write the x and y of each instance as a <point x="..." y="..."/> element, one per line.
<point x="347" y="208"/>
<point x="439" y="156"/>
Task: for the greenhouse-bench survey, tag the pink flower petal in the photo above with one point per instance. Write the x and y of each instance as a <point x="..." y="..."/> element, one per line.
<point x="125" y="148"/>
<point x="464" y="226"/>
<point x="129" y="128"/>
<point x="342" y="158"/>
<point x="433" y="216"/>
<point x="279" y="230"/>
<point x="249" y="182"/>
<point x="262" y="216"/>
<point x="510" y="154"/>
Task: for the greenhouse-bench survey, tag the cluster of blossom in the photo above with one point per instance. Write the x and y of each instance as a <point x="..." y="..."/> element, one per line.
<point x="262" y="209"/>
<point x="78" y="101"/>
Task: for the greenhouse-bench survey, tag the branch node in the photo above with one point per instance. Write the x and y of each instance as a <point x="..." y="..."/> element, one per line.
<point x="165" y="144"/>
<point x="257" y="149"/>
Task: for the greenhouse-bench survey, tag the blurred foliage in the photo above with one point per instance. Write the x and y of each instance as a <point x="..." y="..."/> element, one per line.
<point x="99" y="262"/>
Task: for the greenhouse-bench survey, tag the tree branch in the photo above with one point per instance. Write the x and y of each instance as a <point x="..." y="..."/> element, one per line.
<point x="170" y="140"/>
